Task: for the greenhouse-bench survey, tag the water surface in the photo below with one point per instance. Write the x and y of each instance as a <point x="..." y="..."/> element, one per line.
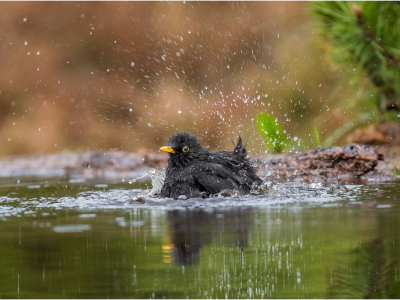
<point x="77" y="239"/>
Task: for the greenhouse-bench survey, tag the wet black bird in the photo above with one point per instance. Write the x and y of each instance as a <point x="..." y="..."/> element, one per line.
<point x="193" y="171"/>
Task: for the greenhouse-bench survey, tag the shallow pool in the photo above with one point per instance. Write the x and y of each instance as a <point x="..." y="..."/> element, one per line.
<point x="75" y="238"/>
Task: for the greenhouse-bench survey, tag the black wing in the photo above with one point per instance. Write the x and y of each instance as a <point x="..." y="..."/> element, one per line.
<point x="214" y="178"/>
<point x="203" y="180"/>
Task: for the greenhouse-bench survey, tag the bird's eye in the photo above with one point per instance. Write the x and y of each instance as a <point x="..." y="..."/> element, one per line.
<point x="185" y="149"/>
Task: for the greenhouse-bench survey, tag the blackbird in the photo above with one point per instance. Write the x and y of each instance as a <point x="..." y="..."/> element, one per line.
<point x="193" y="171"/>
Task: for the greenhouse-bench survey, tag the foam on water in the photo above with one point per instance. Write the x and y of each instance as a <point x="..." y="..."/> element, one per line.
<point x="279" y="195"/>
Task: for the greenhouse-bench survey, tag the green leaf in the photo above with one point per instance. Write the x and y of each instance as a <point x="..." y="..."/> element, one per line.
<point x="271" y="131"/>
<point x="317" y="137"/>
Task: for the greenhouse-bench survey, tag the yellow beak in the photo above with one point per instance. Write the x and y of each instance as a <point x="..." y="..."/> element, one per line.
<point x="167" y="149"/>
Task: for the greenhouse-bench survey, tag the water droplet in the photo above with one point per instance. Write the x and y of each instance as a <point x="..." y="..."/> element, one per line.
<point x="25" y="19"/>
<point x="40" y="129"/>
<point x="149" y="124"/>
<point x="179" y="111"/>
<point x="38" y="53"/>
<point x="132" y="64"/>
<point x="25" y="43"/>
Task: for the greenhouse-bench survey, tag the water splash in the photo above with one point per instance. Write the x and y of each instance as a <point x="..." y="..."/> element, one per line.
<point x="255" y="190"/>
<point x="278" y="196"/>
<point x="157" y="181"/>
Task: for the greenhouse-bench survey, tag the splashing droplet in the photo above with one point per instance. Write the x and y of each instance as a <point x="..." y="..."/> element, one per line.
<point x="157" y="181"/>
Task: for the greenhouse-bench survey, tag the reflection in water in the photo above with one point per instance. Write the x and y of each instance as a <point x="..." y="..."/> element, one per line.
<point x="191" y="230"/>
<point x="368" y="271"/>
<point x="308" y="247"/>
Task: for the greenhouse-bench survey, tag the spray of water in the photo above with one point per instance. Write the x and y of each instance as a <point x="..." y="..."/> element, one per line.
<point x="157" y="181"/>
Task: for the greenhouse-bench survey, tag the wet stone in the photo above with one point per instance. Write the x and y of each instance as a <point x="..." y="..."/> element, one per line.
<point x="342" y="163"/>
<point x="139" y="200"/>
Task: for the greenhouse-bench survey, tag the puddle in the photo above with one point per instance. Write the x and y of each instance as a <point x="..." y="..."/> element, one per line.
<point x="83" y="239"/>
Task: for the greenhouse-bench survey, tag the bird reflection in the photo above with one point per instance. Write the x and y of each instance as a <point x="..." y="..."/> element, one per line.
<point x="190" y="231"/>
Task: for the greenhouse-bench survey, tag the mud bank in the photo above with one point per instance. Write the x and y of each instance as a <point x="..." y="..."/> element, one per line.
<point x="354" y="162"/>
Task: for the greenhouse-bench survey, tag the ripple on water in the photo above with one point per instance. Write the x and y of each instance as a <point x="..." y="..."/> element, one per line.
<point x="72" y="228"/>
<point x="279" y="195"/>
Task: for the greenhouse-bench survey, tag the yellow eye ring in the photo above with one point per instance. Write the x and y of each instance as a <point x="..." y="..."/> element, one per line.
<point x="185" y="149"/>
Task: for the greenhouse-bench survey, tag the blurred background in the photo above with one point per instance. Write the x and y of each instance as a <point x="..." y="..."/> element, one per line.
<point x="80" y="76"/>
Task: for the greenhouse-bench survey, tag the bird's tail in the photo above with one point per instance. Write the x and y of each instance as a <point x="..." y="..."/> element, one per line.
<point x="239" y="148"/>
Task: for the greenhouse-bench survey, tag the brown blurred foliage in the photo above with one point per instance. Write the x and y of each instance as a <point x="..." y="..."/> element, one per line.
<point x="100" y="75"/>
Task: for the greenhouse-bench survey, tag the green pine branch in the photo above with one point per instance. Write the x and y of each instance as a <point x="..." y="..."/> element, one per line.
<point x="365" y="35"/>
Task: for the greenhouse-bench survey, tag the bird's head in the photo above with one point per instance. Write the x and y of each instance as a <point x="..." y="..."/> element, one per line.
<point x="183" y="147"/>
